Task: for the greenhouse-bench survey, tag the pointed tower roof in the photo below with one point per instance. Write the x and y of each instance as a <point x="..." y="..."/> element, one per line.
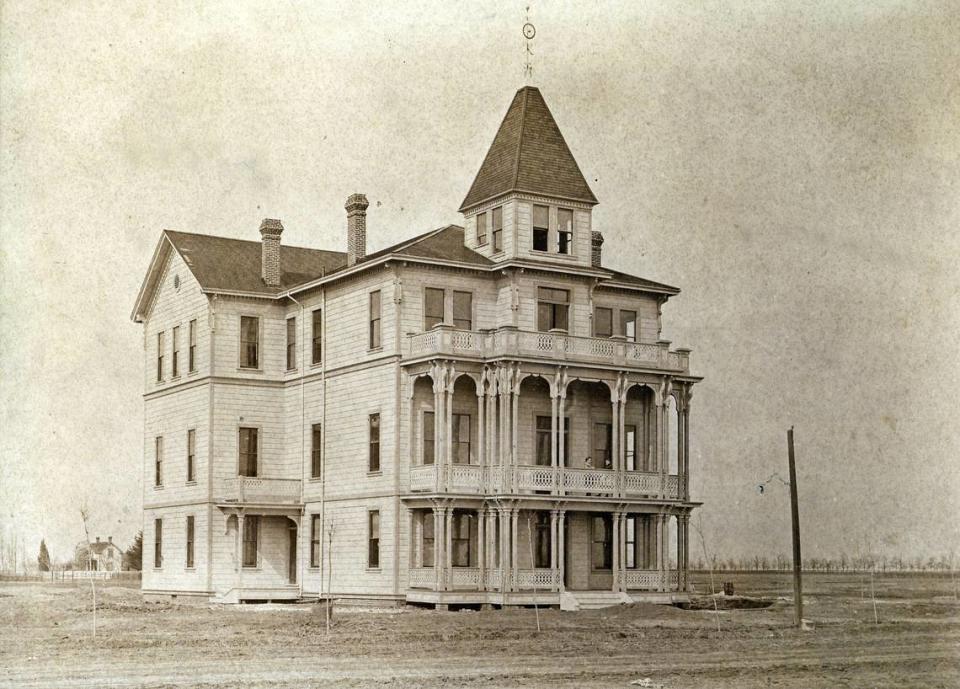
<point x="529" y="154"/>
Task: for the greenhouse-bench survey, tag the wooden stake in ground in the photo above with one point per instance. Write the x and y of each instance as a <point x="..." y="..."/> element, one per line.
<point x="795" y="526"/>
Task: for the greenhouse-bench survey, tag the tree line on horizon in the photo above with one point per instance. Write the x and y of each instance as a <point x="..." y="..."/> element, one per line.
<point x="841" y="563"/>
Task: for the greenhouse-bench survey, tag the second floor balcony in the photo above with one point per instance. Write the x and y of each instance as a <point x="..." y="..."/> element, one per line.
<point x="509" y="342"/>
<point x="259" y="490"/>
<point x="544" y="480"/>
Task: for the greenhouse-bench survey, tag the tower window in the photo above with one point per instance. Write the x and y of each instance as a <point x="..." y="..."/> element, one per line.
<point x="541" y="228"/>
<point x="564" y="230"/>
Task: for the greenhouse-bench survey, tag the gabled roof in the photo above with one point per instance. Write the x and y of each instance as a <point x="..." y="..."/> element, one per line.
<point x="529" y="154"/>
<point x="222" y="263"/>
<point x="636" y="281"/>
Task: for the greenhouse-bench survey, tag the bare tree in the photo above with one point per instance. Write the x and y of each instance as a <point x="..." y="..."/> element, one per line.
<point x="84" y="515"/>
<point x="703" y="545"/>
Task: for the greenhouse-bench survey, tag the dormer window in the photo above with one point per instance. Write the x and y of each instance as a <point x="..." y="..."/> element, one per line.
<point x="497" y="214"/>
<point x="541" y="228"/>
<point x="482" y="229"/>
<point x="564" y="230"/>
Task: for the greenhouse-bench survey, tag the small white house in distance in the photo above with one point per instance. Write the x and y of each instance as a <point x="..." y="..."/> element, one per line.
<point x="478" y="415"/>
<point x="99" y="556"/>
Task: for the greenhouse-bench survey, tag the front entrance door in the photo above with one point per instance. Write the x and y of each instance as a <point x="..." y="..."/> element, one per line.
<point x="292" y="572"/>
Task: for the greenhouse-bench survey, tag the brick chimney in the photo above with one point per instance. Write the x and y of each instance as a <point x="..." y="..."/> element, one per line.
<point x="270" y="231"/>
<point x="98" y="539"/>
<point x="109" y="539"/>
<point x="596" y="248"/>
<point x="356" y="227"/>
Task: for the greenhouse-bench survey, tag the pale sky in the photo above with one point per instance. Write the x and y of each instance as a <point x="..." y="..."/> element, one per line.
<point x="793" y="167"/>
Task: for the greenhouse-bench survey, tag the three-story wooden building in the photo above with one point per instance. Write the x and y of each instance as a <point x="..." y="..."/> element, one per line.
<point x="477" y="415"/>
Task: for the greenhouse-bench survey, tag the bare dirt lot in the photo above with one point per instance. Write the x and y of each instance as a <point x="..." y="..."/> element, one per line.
<point x="45" y="641"/>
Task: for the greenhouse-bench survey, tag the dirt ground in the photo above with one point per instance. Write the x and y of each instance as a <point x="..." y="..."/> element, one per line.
<point x="46" y="641"/>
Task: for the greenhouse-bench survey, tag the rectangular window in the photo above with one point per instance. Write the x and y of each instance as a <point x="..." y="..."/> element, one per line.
<point x="158" y="543"/>
<point x="553" y="307"/>
<point x="564" y="230"/>
<point x="428" y="436"/>
<point x="544" y="442"/>
<point x="291" y="343"/>
<point x="631" y="538"/>
<point x="542" y="543"/>
<point x="461" y="438"/>
<point x="426" y="540"/>
<point x="158" y="461"/>
<point x="602" y="441"/>
<point x="375" y="319"/>
<point x="373" y="539"/>
<point x="248" y="451"/>
<point x="628" y="325"/>
<point x="317" y="336"/>
<point x="316" y="451"/>
<point x="190" y="541"/>
<point x="251" y="529"/>
<point x="432" y="307"/>
<point x="192" y="347"/>
<point x="374" y="425"/>
<point x="541" y="228"/>
<point x="630" y="447"/>
<point x="463" y="310"/>
<point x="315" y="540"/>
<point x="462" y="538"/>
<point x="191" y="455"/>
<point x="602" y="551"/>
<point x="249" y="342"/>
<point x="481" y="229"/>
<point x="175" y="354"/>
<point x="497" y="214"/>
<point x="602" y="322"/>
<point x="159" y="357"/>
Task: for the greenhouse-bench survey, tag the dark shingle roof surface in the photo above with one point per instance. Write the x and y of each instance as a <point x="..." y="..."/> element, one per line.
<point x="529" y="154"/>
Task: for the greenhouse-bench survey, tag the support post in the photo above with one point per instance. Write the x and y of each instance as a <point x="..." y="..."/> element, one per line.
<point x="448" y="549"/>
<point x="561" y="543"/>
<point x="615" y="542"/>
<point x="553" y="549"/>
<point x="795" y="526"/>
<point x="482" y="545"/>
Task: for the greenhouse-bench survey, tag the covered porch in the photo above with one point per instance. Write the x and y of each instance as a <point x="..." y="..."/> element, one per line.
<point x="518" y="552"/>
<point x="263" y="545"/>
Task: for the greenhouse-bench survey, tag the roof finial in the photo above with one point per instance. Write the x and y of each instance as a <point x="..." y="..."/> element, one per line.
<point x="529" y="31"/>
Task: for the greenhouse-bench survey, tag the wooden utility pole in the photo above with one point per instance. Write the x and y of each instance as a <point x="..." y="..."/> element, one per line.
<point x="795" y="527"/>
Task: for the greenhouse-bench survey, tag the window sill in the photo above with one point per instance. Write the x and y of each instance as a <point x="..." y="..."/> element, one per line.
<point x="377" y="472"/>
<point x="190" y="569"/>
<point x="249" y="369"/>
<point x="374" y="350"/>
<point x="250" y="568"/>
<point x="191" y="483"/>
<point x="192" y="373"/>
<point x="315" y="479"/>
<point x="174" y="379"/>
<point x="374" y="570"/>
<point x="158" y="487"/>
<point x="291" y="370"/>
<point x="316" y="364"/>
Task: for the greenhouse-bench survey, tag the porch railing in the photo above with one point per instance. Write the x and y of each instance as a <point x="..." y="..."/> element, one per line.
<point x="471" y="478"/>
<point x="285" y="491"/>
<point x="651" y="580"/>
<point x="422" y="578"/>
<point x="508" y="341"/>
<point x="542" y="579"/>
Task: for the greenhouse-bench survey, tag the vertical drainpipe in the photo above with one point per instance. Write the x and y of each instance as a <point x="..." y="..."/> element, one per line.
<point x="398" y="402"/>
<point x="212" y="327"/>
<point x="303" y="513"/>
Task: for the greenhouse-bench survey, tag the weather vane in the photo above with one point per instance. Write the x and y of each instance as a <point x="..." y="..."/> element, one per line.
<point x="529" y="31"/>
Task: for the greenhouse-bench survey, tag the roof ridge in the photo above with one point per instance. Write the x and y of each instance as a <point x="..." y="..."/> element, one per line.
<point x="523" y="127"/>
<point x="252" y="241"/>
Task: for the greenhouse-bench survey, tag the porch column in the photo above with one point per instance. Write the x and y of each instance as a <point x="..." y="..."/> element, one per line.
<point x="448" y="427"/>
<point x="414" y="555"/>
<point x="504" y="549"/>
<point x="685" y="482"/>
<point x="438" y="396"/>
<point x="663" y="435"/>
<point x="615" y="568"/>
<point x="514" y="423"/>
<point x="553" y="549"/>
<point x="481" y="544"/>
<point x="514" y="545"/>
<point x="412" y="421"/>
<point x="662" y="549"/>
<point x="553" y="430"/>
<point x="561" y="542"/>
<point x="240" y="522"/>
<point x="503" y="436"/>
<point x="481" y="427"/>
<point x="623" y="551"/>
<point x="437" y="551"/>
<point x="448" y="549"/>
<point x="561" y="432"/>
<point x="614" y="428"/>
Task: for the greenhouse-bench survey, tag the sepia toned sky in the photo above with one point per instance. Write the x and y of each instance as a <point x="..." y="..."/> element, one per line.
<point x="793" y="166"/>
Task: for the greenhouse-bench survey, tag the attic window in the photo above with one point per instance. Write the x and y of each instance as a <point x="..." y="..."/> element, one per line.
<point x="176" y="282"/>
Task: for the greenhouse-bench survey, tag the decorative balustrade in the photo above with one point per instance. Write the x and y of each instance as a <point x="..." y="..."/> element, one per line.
<point x="510" y="342"/>
<point x="471" y="478"/>
<point x="464" y="577"/>
<point x="542" y="579"/>
<point x="465" y="478"/>
<point x="493" y="578"/>
<point x="637" y="483"/>
<point x="261" y="490"/>
<point x="423" y="477"/>
<point x="643" y="579"/>
<point x="422" y="578"/>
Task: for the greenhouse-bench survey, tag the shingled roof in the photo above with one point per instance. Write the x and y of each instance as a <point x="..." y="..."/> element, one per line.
<point x="222" y="263"/>
<point x="529" y="154"/>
